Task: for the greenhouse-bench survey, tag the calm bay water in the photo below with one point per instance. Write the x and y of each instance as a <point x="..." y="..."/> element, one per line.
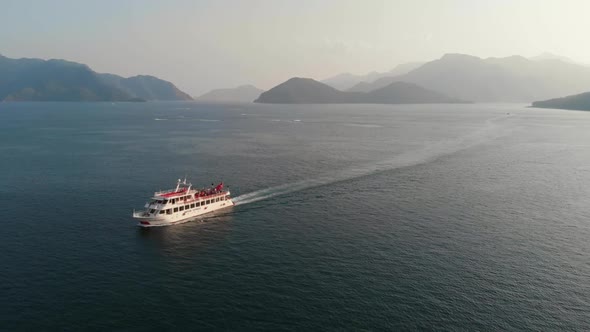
<point x="469" y="217"/>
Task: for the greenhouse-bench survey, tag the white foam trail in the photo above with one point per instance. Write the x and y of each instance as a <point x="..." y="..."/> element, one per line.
<point x="410" y="158"/>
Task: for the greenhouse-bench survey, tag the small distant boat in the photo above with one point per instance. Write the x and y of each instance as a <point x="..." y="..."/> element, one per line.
<point x="182" y="204"/>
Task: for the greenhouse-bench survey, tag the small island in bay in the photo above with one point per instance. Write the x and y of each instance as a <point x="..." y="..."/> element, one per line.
<point x="580" y="102"/>
<point x="308" y="91"/>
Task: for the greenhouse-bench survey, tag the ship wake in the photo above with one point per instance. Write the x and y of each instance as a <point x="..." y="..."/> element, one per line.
<point x="492" y="129"/>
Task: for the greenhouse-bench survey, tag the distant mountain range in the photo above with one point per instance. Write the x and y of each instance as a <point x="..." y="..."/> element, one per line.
<point x="453" y="77"/>
<point x="146" y="87"/>
<point x="308" y="91"/>
<point x="510" y="79"/>
<point x="551" y="56"/>
<point x="575" y="102"/>
<point x="60" y="80"/>
<point x="346" y="81"/>
<point x="240" y="94"/>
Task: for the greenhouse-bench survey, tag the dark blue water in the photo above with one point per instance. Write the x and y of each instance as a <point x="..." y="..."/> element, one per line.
<point x="455" y="217"/>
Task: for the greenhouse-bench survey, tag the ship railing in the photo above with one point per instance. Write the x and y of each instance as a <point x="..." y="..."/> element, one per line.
<point x="170" y="191"/>
<point x="192" y="199"/>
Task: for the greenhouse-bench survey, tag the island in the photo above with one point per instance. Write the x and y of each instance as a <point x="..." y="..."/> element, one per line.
<point x="308" y="91"/>
<point x="580" y="102"/>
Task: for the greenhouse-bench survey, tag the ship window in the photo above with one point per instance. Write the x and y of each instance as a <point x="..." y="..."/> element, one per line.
<point x="181" y="208"/>
<point x="161" y="211"/>
<point x="152" y="211"/>
<point x="227" y="198"/>
<point x="221" y="198"/>
<point x="217" y="199"/>
<point x="169" y="211"/>
<point x="193" y="206"/>
<point x="197" y="204"/>
<point x="186" y="207"/>
<point x="172" y="201"/>
<point x="175" y="209"/>
<point x="208" y="201"/>
<point x="165" y="201"/>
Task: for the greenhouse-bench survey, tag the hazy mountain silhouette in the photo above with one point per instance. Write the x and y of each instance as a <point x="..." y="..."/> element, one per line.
<point x="551" y="56"/>
<point x="60" y="80"/>
<point x="298" y="90"/>
<point x="510" y="79"/>
<point x="146" y="87"/>
<point x="53" y="80"/>
<point x="346" y="80"/>
<point x="240" y="94"/>
<point x="406" y="93"/>
<point x="575" y="102"/>
<point x="308" y="91"/>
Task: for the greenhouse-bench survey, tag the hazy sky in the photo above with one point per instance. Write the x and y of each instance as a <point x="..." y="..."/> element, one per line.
<point x="200" y="45"/>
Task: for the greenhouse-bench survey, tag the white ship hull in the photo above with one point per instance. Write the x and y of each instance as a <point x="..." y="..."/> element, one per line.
<point x="179" y="217"/>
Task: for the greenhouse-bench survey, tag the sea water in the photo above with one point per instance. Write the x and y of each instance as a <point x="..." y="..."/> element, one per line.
<point x="347" y="217"/>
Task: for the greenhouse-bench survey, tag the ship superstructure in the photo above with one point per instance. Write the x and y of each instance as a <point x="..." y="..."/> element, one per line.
<point x="182" y="204"/>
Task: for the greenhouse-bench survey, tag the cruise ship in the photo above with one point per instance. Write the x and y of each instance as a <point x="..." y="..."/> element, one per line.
<point x="182" y="204"/>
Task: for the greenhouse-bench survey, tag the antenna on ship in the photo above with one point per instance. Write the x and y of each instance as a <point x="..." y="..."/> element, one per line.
<point x="177" y="185"/>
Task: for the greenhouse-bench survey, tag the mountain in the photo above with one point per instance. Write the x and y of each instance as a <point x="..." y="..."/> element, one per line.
<point x="308" y="91"/>
<point x="406" y="93"/>
<point x="53" y="80"/>
<point x="302" y="91"/>
<point x="551" y="56"/>
<point x="146" y="87"/>
<point x="509" y="79"/>
<point x="346" y="80"/>
<point x="240" y="94"/>
<point x="575" y="102"/>
<point x="60" y="80"/>
<point x="367" y="86"/>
